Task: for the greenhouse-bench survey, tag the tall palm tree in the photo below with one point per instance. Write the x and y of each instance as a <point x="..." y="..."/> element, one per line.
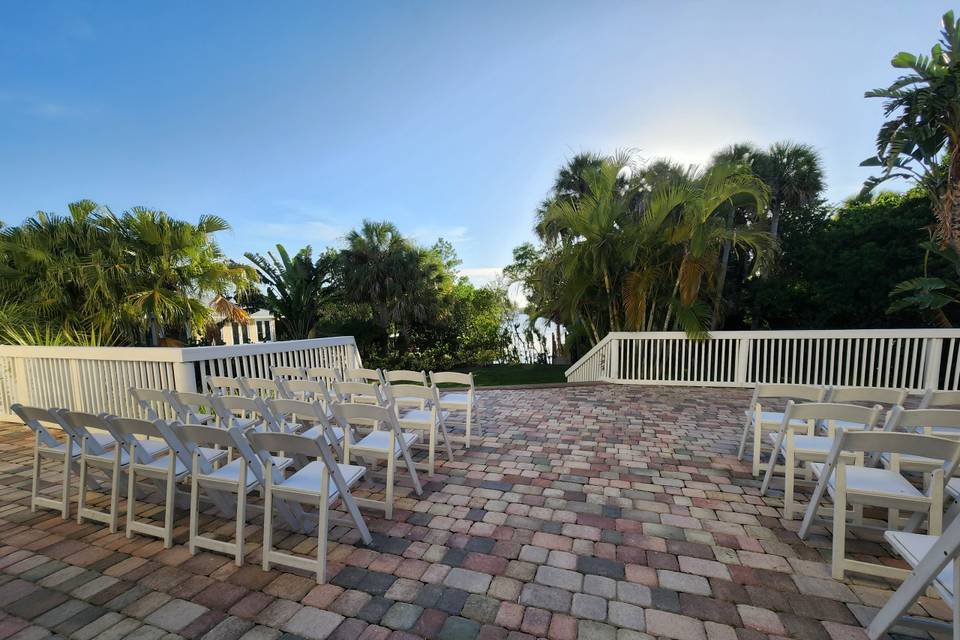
<point x="174" y="267"/>
<point x="595" y="246"/>
<point x="400" y="281"/>
<point x="685" y="215"/>
<point x="794" y="175"/>
<point x="920" y="141"/>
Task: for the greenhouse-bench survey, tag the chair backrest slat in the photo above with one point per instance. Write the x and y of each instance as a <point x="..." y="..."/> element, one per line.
<point x="289" y="373"/>
<point x="361" y="374"/>
<point x="78" y="424"/>
<point x="832" y="411"/>
<point x="39" y="420"/>
<point x="226" y="386"/>
<point x="346" y="391"/>
<point x="808" y="392"/>
<point x="326" y="374"/>
<point x="406" y="375"/>
<point x="932" y="399"/>
<point x="875" y="395"/>
<point x="452" y="377"/>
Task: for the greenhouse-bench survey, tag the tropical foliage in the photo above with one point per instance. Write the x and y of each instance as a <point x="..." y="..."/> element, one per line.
<point x="405" y="304"/>
<point x="94" y="277"/>
<point x="630" y="247"/>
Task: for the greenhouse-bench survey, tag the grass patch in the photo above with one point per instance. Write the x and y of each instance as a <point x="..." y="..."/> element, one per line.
<point x="508" y="374"/>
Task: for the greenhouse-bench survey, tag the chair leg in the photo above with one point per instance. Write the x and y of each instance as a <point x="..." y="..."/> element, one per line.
<point x="35" y="481"/>
<point x="413" y="470"/>
<point x="743" y="437"/>
<point x="267" y="524"/>
<point x="115" y="490"/>
<point x="431" y="449"/>
<point x="756" y="450"/>
<point x="168" y="512"/>
<point x="469" y="415"/>
<point x="388" y="493"/>
<point x="131" y="496"/>
<point x="194" y="512"/>
<point x="322" y="526"/>
<point x="81" y="483"/>
<point x="839" y="528"/>
<point x="65" y="487"/>
<point x="788" y="482"/>
<point x="446" y="440"/>
<point x="241" y="523"/>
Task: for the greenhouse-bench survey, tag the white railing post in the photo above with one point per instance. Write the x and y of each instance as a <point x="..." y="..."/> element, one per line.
<point x="613" y="360"/>
<point x="743" y="359"/>
<point x="20" y="387"/>
<point x="931" y="371"/>
<point x="184" y="377"/>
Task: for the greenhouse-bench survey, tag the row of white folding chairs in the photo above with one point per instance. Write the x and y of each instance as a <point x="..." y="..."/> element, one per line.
<point x="168" y="453"/>
<point x="459" y="392"/>
<point x="760" y="417"/>
<point x="910" y="441"/>
<point x="423" y="413"/>
<point x="304" y="412"/>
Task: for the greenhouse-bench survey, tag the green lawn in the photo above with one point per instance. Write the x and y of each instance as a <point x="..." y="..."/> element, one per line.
<point x="508" y="374"/>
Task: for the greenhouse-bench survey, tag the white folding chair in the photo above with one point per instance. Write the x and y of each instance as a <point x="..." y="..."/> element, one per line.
<point x="806" y="446"/>
<point x="307" y="391"/>
<point x="431" y="419"/>
<point x="944" y="423"/>
<point x="169" y="469"/>
<point x="327" y="375"/>
<point x="154" y="404"/>
<point x="310" y="485"/>
<point x="462" y="398"/>
<point x="265" y="388"/>
<point x="361" y="374"/>
<point x="239" y="477"/>
<point x="405" y="376"/>
<point x="307" y="419"/>
<point x="289" y="373"/>
<point x="241" y="411"/>
<point x="369" y="393"/>
<point x="111" y="461"/>
<point x="226" y="386"/>
<point x="933" y="399"/>
<point x="758" y="419"/>
<point x="387" y="444"/>
<point x="193" y="408"/>
<point x="885" y="488"/>
<point x="46" y="446"/>
<point x="935" y="560"/>
<point x="869" y="396"/>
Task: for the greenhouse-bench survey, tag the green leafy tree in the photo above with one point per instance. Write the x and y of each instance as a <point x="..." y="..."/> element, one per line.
<point x="920" y="139"/>
<point x="297" y="288"/>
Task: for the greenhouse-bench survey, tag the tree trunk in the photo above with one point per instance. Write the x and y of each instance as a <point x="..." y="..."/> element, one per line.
<point x="775" y="219"/>
<point x="721" y="281"/>
<point x="950" y="212"/>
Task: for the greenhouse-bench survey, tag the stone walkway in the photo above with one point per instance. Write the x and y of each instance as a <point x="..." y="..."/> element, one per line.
<point x="601" y="512"/>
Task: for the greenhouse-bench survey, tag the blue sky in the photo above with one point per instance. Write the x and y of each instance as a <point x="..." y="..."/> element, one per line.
<point x="297" y="120"/>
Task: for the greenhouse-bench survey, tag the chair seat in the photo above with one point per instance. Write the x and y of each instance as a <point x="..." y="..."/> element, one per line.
<point x="230" y="472"/>
<point x="868" y="480"/>
<point x="818" y="444"/>
<point x="317" y="431"/>
<point x="913" y="547"/>
<point x="308" y="479"/>
<point x="152" y="447"/>
<point x="102" y="438"/>
<point x="455" y="397"/>
<point x="907" y="459"/>
<point x="774" y="417"/>
<point x="421" y="415"/>
<point x="380" y="440"/>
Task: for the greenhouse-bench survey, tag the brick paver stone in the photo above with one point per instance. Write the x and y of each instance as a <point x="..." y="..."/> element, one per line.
<point x="313" y="623"/>
<point x="471" y="581"/>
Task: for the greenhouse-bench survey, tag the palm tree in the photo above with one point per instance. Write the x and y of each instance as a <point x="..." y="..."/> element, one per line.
<point x="297" y="287"/>
<point x="174" y="266"/>
<point x="400" y="281"/>
<point x="920" y="141"/>
<point x="794" y="175"/>
<point x="595" y="248"/>
<point x="682" y="233"/>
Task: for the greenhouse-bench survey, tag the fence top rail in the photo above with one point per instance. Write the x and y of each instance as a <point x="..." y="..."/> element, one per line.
<point x="170" y="354"/>
<point x="576" y="365"/>
<point x="810" y="334"/>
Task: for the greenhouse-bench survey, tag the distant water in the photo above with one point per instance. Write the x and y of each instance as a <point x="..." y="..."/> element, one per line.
<point x="530" y="351"/>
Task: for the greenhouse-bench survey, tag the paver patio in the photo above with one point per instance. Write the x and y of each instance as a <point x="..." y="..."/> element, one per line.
<point x="606" y="512"/>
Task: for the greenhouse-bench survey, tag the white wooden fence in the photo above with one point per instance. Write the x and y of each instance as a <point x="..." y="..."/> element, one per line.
<point x="900" y="358"/>
<point x="96" y="379"/>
